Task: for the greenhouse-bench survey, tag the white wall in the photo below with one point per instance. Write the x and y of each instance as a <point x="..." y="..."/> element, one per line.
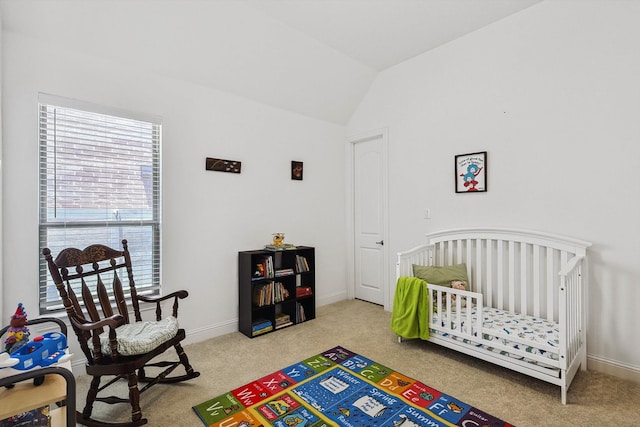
<point x="207" y="216"/>
<point x="553" y="94"/>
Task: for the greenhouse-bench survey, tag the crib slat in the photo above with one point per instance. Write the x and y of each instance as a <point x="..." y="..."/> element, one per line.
<point x="512" y="275"/>
<point x="536" y="280"/>
<point x="459" y="245"/>
<point x="500" y="274"/>
<point x="478" y="263"/>
<point x="551" y="284"/>
<point x="524" y="282"/>
<point x="450" y="258"/>
<point x="440" y="259"/>
<point x="490" y="284"/>
<point x="563" y="261"/>
<point x="469" y="262"/>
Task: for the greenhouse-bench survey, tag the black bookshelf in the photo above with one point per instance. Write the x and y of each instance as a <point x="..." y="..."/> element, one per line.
<point x="276" y="289"/>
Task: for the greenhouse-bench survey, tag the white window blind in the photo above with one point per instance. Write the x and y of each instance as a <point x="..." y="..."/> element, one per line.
<point x="99" y="183"/>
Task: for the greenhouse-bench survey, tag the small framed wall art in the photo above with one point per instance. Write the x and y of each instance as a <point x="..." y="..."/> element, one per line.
<point x="471" y="172"/>
<point x="296" y="170"/>
<point x="222" y="165"/>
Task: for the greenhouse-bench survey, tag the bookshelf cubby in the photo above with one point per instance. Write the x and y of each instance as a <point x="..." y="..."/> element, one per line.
<point x="276" y="289"/>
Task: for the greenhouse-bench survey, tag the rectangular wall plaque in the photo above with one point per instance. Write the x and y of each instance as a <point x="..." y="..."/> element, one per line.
<point x="222" y="165"/>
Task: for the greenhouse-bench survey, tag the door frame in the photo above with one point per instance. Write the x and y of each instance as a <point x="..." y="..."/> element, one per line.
<point x="352" y="140"/>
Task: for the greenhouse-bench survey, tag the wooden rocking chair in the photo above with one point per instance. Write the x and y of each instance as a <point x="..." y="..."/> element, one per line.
<point x="114" y="346"/>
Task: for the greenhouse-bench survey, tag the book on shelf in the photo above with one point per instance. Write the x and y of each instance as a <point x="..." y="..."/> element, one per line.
<point x="260" y="323"/>
<point x="262" y="331"/>
<point x="262" y="294"/>
<point x="264" y="269"/>
<point x="269" y="293"/>
<point x="283" y="320"/>
<point x="300" y="316"/>
<point x="302" y="266"/>
<point x="304" y="291"/>
<point x="281" y="293"/>
<point x="284" y="272"/>
<point x="284" y="325"/>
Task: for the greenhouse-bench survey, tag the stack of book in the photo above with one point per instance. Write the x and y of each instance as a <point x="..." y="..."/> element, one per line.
<point x="284" y="272"/>
<point x="303" y="291"/>
<point x="282" y="247"/>
<point x="283" y="320"/>
<point x="260" y="327"/>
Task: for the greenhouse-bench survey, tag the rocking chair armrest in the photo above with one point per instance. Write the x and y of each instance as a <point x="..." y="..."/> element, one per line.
<point x="182" y="294"/>
<point x="111" y="322"/>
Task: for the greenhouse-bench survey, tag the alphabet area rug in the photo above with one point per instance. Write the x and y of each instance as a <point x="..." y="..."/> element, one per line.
<point x="339" y="388"/>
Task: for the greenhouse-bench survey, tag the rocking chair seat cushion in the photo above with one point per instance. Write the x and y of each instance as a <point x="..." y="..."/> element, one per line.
<point x="140" y="337"/>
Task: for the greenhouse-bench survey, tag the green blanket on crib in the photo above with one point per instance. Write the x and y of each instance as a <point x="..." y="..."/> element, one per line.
<point x="410" y="317"/>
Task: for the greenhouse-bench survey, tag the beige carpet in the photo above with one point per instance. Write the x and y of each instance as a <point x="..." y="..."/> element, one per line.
<point x="233" y="360"/>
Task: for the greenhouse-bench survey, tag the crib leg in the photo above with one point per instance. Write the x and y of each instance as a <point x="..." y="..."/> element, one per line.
<point x="399" y="339"/>
<point x="563" y="393"/>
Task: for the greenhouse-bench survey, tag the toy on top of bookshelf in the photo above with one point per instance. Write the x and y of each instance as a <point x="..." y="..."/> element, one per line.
<point x="278" y="239"/>
<point x="278" y="243"/>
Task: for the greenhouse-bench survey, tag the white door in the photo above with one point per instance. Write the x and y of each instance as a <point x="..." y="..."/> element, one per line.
<point x="369" y="206"/>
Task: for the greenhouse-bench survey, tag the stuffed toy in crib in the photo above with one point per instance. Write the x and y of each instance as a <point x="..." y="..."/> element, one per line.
<point x="461" y="285"/>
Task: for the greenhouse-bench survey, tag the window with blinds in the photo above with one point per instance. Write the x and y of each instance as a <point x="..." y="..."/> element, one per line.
<point x="99" y="183"/>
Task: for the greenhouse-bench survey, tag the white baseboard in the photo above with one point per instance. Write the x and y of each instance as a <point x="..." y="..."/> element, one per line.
<point x="614" y="368"/>
<point x="340" y="296"/>
<point x="211" y="331"/>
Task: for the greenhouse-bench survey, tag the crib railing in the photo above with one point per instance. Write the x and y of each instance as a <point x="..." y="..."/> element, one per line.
<point x="451" y="313"/>
<point x="420" y="255"/>
<point x="453" y="308"/>
<point x="572" y="310"/>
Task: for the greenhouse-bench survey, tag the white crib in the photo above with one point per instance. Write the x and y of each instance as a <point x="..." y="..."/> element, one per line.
<point x="525" y="305"/>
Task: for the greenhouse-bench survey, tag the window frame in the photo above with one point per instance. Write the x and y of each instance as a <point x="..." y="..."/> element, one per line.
<point x="151" y="227"/>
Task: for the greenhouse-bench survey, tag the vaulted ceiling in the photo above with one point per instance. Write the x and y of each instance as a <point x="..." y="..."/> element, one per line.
<point x="313" y="57"/>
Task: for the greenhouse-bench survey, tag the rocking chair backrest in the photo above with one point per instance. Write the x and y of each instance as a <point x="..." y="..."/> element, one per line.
<point x="95" y="273"/>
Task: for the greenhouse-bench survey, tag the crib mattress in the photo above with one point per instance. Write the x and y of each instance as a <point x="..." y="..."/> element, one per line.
<point x="539" y="333"/>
